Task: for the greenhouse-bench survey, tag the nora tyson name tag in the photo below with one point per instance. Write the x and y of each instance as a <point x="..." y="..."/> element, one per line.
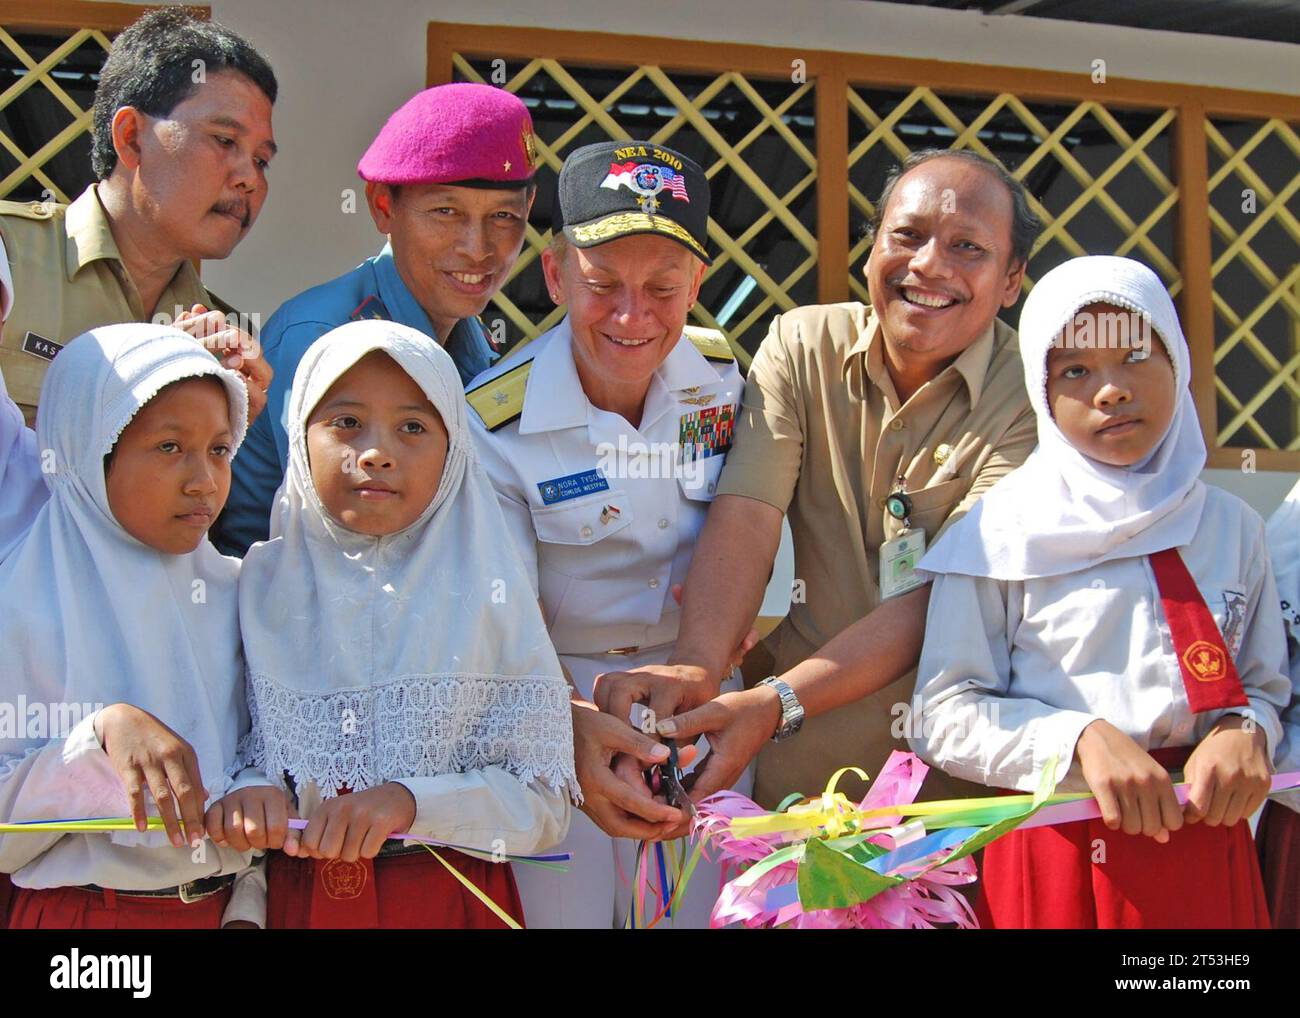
<point x="561" y="489"/>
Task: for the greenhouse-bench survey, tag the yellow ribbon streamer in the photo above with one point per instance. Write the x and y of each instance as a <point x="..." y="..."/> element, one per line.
<point x="473" y="889"/>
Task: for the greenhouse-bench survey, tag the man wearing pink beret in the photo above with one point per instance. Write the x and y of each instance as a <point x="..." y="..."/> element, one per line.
<point x="449" y="181"/>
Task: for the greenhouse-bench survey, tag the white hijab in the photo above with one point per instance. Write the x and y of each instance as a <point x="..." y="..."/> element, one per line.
<point x="414" y="654"/>
<point x="1061" y="511"/>
<point x="1284" y="549"/>
<point x="89" y="614"/>
<point x="22" y="490"/>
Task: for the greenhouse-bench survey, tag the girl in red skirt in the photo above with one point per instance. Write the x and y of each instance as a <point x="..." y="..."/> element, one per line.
<point x="119" y="638"/>
<point x="1103" y="611"/>
<point x="1278" y="833"/>
<point x="395" y="654"/>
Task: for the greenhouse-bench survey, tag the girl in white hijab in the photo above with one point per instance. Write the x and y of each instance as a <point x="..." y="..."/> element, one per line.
<point x="119" y="638"/>
<point x="1103" y="611"/>
<point x="1279" y="825"/>
<point x="395" y="651"/>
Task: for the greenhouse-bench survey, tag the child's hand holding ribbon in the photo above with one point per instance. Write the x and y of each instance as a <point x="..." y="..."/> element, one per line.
<point x="256" y="817"/>
<point x="1229" y="773"/>
<point x="1134" y="792"/>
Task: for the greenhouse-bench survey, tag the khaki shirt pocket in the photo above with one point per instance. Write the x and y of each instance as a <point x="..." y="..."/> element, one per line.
<point x="931" y="506"/>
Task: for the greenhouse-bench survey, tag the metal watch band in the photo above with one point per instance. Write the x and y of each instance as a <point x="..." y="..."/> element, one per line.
<point x="791" y="709"/>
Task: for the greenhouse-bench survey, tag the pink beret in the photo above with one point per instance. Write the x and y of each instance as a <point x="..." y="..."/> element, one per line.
<point x="452" y="133"/>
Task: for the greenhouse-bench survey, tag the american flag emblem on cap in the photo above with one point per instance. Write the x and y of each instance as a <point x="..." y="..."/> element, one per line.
<point x="647" y="180"/>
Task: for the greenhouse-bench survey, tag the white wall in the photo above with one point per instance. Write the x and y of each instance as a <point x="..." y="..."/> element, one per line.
<point x="345" y="65"/>
<point x="1263" y="491"/>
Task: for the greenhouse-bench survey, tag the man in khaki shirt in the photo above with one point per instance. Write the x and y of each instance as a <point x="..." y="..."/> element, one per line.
<point x="843" y="407"/>
<point x="182" y="176"/>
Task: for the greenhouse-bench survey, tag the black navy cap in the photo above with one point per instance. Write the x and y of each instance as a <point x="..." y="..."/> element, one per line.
<point x="618" y="188"/>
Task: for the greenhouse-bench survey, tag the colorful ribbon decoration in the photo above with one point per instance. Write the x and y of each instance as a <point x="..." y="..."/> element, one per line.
<point x="886" y="862"/>
<point x="106" y="825"/>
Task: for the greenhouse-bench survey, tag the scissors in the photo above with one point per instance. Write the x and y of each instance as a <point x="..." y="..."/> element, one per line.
<point x="667" y="778"/>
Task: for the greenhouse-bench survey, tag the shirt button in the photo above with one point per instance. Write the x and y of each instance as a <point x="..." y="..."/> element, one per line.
<point x="895" y="425"/>
<point x="654" y="582"/>
<point x="586" y="531"/>
<point x="663" y="524"/>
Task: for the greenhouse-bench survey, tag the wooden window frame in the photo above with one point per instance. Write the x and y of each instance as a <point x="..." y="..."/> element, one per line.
<point x="834" y="72"/>
<point x="43" y="15"/>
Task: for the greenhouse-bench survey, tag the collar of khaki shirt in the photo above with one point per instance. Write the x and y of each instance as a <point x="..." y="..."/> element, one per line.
<point x="554" y="398"/>
<point x="90" y="238"/>
<point x="972" y="363"/>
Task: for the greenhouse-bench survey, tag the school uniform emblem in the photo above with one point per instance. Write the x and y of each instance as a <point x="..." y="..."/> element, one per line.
<point x="343" y="880"/>
<point x="1234" y="620"/>
<point x="646" y="181"/>
<point x="1206" y="661"/>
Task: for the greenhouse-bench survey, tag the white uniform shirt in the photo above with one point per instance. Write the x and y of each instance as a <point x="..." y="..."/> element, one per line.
<point x="1284" y="546"/>
<point x="1012" y="672"/>
<point x="73" y="777"/>
<point x="606" y="515"/>
<point x="488" y="808"/>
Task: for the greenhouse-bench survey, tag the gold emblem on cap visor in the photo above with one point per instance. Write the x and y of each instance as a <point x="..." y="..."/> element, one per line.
<point x="623" y="223"/>
<point x="530" y="147"/>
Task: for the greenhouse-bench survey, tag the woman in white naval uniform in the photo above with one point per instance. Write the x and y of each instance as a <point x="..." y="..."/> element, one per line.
<point x="604" y="438"/>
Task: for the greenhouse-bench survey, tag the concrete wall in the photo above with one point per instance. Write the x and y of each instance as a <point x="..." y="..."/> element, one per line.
<point x="344" y="65"/>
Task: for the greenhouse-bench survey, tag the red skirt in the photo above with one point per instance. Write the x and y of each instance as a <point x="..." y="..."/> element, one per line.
<point x="1278" y="836"/>
<point x="400" y="892"/>
<point x="70" y="908"/>
<point x="1046" y="878"/>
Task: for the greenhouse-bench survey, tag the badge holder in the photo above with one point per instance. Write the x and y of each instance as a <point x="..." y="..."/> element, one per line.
<point x="899" y="555"/>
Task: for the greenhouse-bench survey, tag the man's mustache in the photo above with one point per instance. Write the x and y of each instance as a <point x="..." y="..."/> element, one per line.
<point x="236" y="207"/>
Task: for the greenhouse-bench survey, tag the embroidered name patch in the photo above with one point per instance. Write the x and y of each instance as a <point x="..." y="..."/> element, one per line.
<point x="561" y="489"/>
<point x="39" y="346"/>
<point x="707" y="432"/>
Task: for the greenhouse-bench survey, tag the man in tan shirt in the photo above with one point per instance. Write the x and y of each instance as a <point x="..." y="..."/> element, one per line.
<point x="182" y="176"/>
<point x="846" y="405"/>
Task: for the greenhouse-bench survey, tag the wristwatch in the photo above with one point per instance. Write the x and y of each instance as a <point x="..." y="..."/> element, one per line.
<point x="791" y="709"/>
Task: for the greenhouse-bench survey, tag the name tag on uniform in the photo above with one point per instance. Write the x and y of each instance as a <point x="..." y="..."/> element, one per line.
<point x="898" y="558"/>
<point x="561" y="489"/>
<point x="39" y="346"/>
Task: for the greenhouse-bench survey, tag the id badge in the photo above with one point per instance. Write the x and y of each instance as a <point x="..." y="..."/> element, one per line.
<point x="898" y="558"/>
